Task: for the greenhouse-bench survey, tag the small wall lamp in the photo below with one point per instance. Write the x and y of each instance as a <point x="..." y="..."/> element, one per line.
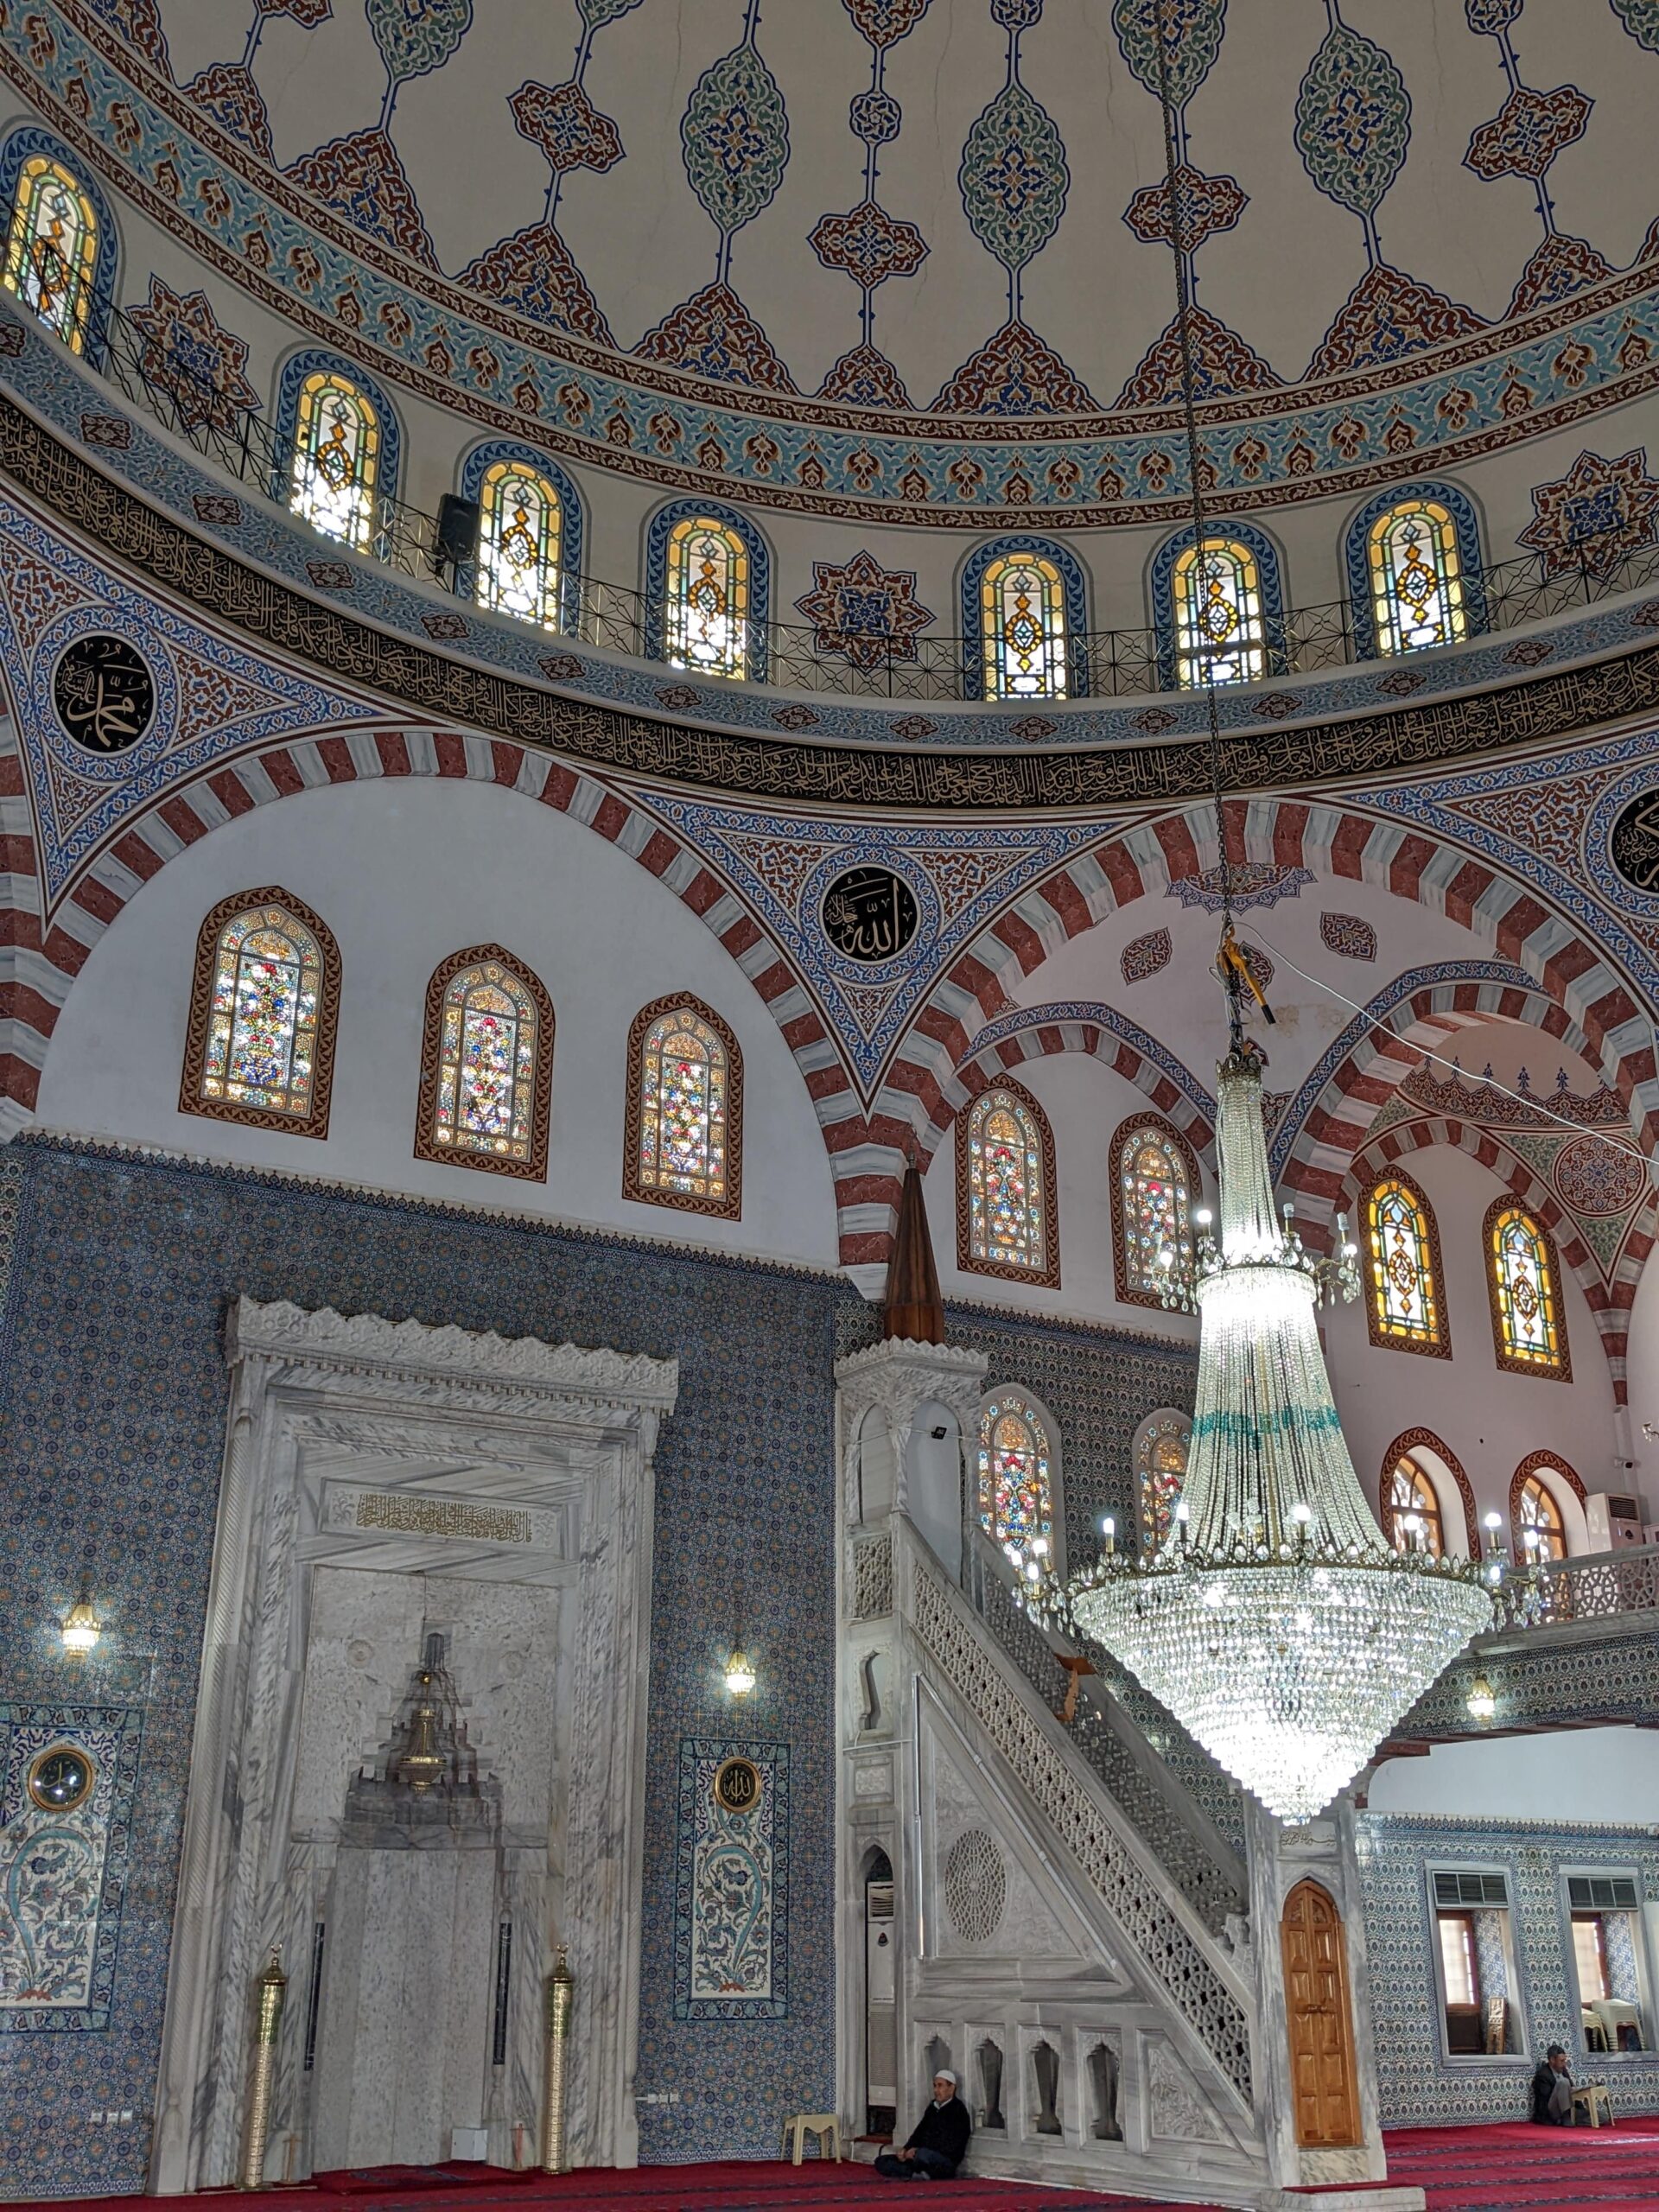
<point x="1481" y="1700"/>
<point x="81" y="1627"/>
<point x="739" y="1675"/>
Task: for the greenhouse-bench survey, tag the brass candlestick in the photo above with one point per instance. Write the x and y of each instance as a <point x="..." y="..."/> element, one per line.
<point x="561" y="1997"/>
<point x="272" y="1986"/>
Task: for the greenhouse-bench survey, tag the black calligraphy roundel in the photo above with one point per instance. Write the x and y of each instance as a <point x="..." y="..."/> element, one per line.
<point x="104" y="693"/>
<point x="869" y="914"/>
<point x="1634" y="843"/>
<point x="737" y="1785"/>
<point x="60" y="1779"/>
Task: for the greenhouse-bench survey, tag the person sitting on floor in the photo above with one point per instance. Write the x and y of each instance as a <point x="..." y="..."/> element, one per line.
<point x="1551" y="2090"/>
<point x="939" y="2142"/>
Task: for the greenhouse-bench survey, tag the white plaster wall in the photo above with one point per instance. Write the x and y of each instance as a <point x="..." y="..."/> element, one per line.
<point x="1578" y="1774"/>
<point x="405" y="874"/>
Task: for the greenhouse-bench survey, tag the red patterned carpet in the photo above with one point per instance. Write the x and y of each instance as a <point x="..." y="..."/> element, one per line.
<point x="1506" y="2169"/>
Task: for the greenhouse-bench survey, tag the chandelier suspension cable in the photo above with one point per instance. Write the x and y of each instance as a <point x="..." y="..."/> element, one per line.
<point x="1231" y="977"/>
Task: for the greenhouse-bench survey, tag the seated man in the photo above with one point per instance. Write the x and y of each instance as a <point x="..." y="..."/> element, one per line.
<point x="939" y="2142"/>
<point x="1551" y="2090"/>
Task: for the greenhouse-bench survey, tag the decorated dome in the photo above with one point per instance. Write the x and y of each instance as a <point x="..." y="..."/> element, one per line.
<point x="909" y="257"/>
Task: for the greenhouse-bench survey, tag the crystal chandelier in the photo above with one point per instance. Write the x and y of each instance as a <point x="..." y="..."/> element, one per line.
<point x="1276" y="1621"/>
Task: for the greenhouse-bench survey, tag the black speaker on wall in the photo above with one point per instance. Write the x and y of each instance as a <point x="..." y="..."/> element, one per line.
<point x="457" y="531"/>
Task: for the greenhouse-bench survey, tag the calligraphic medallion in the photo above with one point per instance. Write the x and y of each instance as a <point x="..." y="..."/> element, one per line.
<point x="1633" y="844"/>
<point x="104" y="693"/>
<point x="870" y="915"/>
<point x="61" y="1779"/>
<point x="737" y="1785"/>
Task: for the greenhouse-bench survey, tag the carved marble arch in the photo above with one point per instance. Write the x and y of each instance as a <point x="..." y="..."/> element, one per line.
<point x="1547" y="1500"/>
<point x="1435" y="1464"/>
<point x="683" y="1127"/>
<point x="1006" y="1223"/>
<point x="1405" y="1282"/>
<point x="486" y="1065"/>
<point x="1523" y="1292"/>
<point x="1156" y="1190"/>
<point x="265" y="1007"/>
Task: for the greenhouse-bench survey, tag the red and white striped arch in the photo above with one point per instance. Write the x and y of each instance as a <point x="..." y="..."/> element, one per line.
<point x="1102" y="1034"/>
<point x="916" y="1103"/>
<point x="1609" y="1302"/>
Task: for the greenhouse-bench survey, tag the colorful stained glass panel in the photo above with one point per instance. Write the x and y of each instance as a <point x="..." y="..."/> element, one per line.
<point x="683" y="1084"/>
<point x="1417" y="594"/>
<point x="1154" y="1206"/>
<point x="706" y="610"/>
<point x="51" y="248"/>
<point x="1524" y="1293"/>
<point x="486" y="1069"/>
<point x="1016" y="1504"/>
<point x="262" y="1027"/>
<point x="1404" y="1294"/>
<point x="336" y="460"/>
<point x="517" y="567"/>
<point x="1022" y="628"/>
<point x="1220" y="626"/>
<point x="1007" y="1202"/>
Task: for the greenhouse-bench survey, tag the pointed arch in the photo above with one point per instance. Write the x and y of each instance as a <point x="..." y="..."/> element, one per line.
<point x="1156" y="1190"/>
<point x="1018" y="1473"/>
<point x="1025" y="618"/>
<point x="1217" y="609"/>
<point x="1405" y="1282"/>
<point x="1523" y="1290"/>
<point x="264" y="1006"/>
<point x="340" y="446"/>
<point x="1439" y="1465"/>
<point x="486" y="1065"/>
<point x="682" y="1129"/>
<point x="1158" y="1457"/>
<point x="1414" y="563"/>
<point x="59" y="255"/>
<point x="529" y="536"/>
<point x="708" y="590"/>
<point x="1007" y="1222"/>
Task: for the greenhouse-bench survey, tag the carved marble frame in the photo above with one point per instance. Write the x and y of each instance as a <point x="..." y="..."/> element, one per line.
<point x="585" y="1421"/>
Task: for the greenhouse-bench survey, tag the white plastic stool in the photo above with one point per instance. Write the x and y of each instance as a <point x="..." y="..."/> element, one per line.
<point x="824" y="2125"/>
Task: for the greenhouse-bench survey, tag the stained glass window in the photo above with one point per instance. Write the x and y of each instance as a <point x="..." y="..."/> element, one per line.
<point x="685" y="1089"/>
<point x="335" y="465"/>
<point x="1162" y="1443"/>
<point x="520" y="522"/>
<point x="1523" y="1293"/>
<point x="51" y="248"/>
<point x="1022" y="628"/>
<point x="1405" y="1296"/>
<point x="1411" y="1496"/>
<point x="260" y="1041"/>
<point x="1220" y="623"/>
<point x="1006" y="1164"/>
<point x="706" y="598"/>
<point x="486" y="1066"/>
<point x="1152" y="1207"/>
<point x="1540" y="1532"/>
<point x="1016" y="1507"/>
<point x="1417" y="591"/>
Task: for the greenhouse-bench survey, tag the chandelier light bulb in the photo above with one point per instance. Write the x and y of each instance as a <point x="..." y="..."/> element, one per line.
<point x="1204" y="1217"/>
<point x="1276" y="1622"/>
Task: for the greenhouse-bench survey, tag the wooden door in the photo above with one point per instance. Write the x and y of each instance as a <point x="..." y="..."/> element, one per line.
<point x="1323" y="2088"/>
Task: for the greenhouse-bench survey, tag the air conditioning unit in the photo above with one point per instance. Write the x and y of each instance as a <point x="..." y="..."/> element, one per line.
<point x="1612" y="1519"/>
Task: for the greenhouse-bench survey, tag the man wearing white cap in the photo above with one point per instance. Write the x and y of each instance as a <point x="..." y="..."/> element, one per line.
<point x="939" y="2142"/>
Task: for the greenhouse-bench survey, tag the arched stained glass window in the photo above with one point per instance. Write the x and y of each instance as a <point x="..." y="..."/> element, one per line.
<point x="1005" y="1186"/>
<point x="1016" y="1498"/>
<point x="520" y="537"/>
<point x="706" y="598"/>
<point x="1416" y="577"/>
<point x="1221" y="629"/>
<point x="683" y="1127"/>
<point x="51" y="248"/>
<point x="260" y="1041"/>
<point x="1154" y="1180"/>
<point x="1162" y="1444"/>
<point x="1402" y="1264"/>
<point x="1527" y="1328"/>
<point x="1414" y="1510"/>
<point x="1023" y="628"/>
<point x="1539" y="1529"/>
<point x="486" y="1065"/>
<point x="334" y="472"/>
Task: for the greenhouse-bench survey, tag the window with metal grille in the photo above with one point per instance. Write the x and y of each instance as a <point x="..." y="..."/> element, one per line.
<point x="1467" y="1889"/>
<point x="1598" y="1892"/>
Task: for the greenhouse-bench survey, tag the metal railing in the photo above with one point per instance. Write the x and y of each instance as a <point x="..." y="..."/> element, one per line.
<point x="1101" y="664"/>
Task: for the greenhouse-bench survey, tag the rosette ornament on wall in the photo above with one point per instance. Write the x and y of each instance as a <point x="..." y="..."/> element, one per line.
<point x="735" y="141"/>
<point x="1013" y="180"/>
<point x="1353" y="125"/>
